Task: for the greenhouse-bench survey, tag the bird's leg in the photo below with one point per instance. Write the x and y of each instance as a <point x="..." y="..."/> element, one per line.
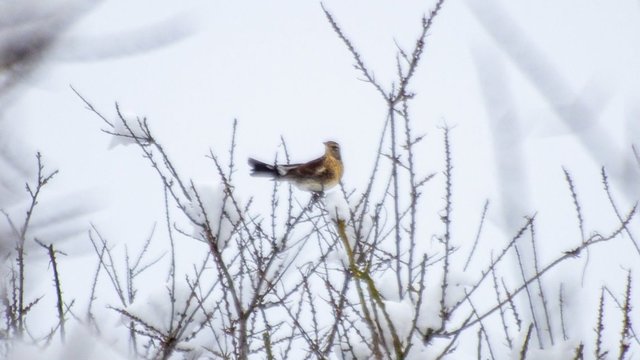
<point x="316" y="196"/>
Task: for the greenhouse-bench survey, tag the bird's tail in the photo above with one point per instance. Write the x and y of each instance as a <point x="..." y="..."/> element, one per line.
<point x="258" y="168"/>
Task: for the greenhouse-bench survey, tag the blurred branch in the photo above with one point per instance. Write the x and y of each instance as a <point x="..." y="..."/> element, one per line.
<point x="477" y="238"/>
<point x="594" y="239"/>
<point x="360" y="66"/>
<point x="605" y="182"/>
<point x="625" y="334"/>
<point x="446" y="239"/>
<point x="525" y="345"/>
<point x="56" y="281"/>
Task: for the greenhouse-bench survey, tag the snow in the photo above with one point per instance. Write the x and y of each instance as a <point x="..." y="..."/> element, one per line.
<point x="337" y="205"/>
<point x="85" y="346"/>
<point x="126" y="130"/>
<point x="561" y="350"/>
<point x="221" y="213"/>
<point x="529" y="90"/>
<point x="401" y="314"/>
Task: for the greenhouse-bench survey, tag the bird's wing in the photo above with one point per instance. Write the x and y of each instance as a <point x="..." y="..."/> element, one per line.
<point x="314" y="168"/>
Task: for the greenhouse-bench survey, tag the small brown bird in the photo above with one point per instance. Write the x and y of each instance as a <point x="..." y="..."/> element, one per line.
<point x="317" y="175"/>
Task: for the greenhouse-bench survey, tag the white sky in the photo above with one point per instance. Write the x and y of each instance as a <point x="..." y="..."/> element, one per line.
<point x="279" y="68"/>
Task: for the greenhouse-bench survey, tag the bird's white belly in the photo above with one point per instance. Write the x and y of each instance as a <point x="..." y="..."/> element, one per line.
<point x="314" y="185"/>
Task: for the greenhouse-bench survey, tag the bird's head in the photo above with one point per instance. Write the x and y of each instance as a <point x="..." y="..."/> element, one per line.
<point x="332" y="148"/>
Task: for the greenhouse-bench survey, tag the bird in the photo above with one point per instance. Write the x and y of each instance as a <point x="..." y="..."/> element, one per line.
<point x="315" y="176"/>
